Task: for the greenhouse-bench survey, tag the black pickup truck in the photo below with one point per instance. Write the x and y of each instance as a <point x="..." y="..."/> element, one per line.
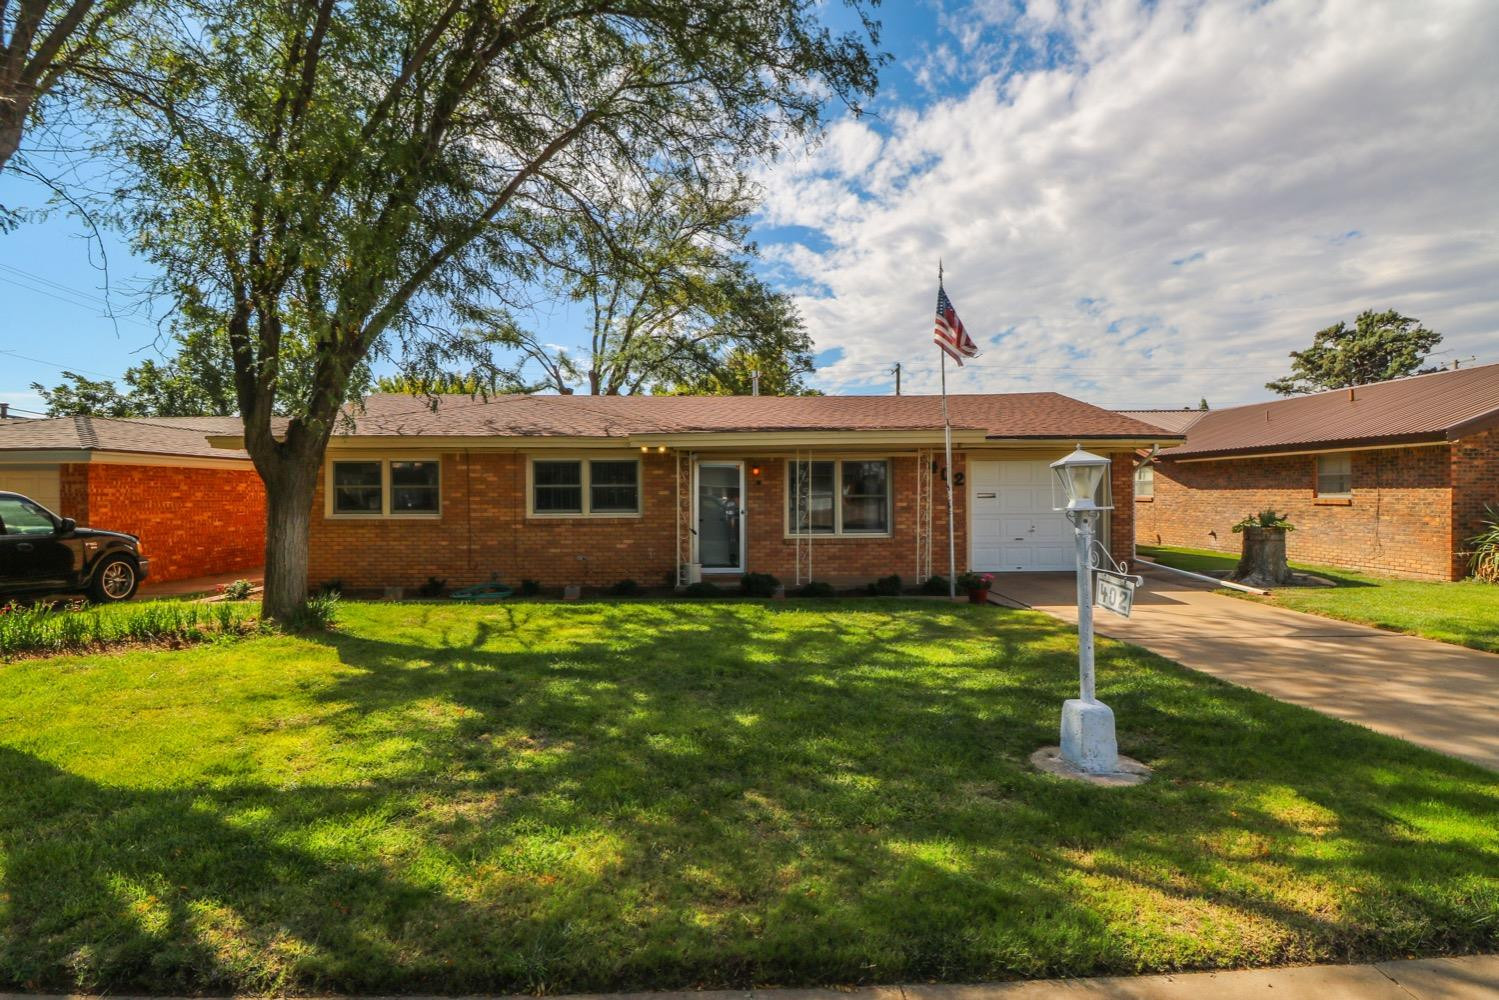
<point x="43" y="553"/>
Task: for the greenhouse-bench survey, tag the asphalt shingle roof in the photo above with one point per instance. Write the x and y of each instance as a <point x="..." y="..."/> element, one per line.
<point x="1012" y="415"/>
<point x="154" y="435"/>
<point x="1175" y="421"/>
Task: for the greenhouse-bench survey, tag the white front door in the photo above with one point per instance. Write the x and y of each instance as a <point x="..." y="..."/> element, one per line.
<point x="720" y="516"/>
<point x="1012" y="527"/>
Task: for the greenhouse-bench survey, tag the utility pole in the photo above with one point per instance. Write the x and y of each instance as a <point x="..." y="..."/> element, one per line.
<point x="896" y="372"/>
<point x="755" y="382"/>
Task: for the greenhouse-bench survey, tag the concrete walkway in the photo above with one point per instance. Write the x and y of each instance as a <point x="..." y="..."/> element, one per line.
<point x="1474" y="977"/>
<point x="1441" y="696"/>
<point x="194" y="586"/>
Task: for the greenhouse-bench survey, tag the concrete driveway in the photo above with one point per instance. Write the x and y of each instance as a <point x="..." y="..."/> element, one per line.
<point x="1440" y="696"/>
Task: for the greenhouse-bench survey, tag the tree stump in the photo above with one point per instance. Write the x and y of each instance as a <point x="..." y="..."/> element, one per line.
<point x="1263" y="561"/>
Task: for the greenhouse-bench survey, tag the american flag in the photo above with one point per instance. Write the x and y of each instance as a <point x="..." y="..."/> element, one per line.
<point x="950" y="335"/>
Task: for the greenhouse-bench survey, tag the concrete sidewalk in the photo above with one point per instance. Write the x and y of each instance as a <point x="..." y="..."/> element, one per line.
<point x="1441" y="696"/>
<point x="198" y="585"/>
<point x="1474" y="977"/>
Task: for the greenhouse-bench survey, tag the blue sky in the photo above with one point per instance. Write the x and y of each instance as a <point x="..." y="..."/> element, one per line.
<point x="1136" y="203"/>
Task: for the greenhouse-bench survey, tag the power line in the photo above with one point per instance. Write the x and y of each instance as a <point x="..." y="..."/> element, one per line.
<point x="30" y="276"/>
<point x="69" y="296"/>
<point x="53" y="364"/>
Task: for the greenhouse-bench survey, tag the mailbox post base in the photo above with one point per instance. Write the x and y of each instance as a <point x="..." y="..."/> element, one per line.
<point x="1088" y="742"/>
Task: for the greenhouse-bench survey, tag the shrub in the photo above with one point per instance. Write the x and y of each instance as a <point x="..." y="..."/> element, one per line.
<point x="703" y="589"/>
<point x="239" y="590"/>
<point x="331" y="587"/>
<point x="51" y="628"/>
<point x="935" y="586"/>
<point x="758" y="585"/>
<point x="814" y="588"/>
<point x="1264" y="519"/>
<point x="432" y="588"/>
<point x="626" y="588"/>
<point x="886" y="586"/>
<point x="529" y="588"/>
<point x="1484" y="559"/>
<point x="317" y="614"/>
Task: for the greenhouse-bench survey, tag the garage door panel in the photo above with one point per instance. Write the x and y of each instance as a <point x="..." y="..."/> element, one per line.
<point x="40" y="484"/>
<point x="1015" y="529"/>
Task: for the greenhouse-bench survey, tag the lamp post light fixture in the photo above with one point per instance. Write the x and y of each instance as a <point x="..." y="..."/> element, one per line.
<point x="1081" y="489"/>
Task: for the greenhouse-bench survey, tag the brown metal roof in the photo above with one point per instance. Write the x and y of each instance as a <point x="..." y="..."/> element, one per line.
<point x="1442" y="406"/>
<point x="1175" y="421"/>
<point x="1013" y="415"/>
<point x="152" y="436"/>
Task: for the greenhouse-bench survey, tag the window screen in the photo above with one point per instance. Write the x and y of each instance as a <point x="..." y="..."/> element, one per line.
<point x="356" y="487"/>
<point x="866" y="497"/>
<point x="1335" y="475"/>
<point x="613" y="487"/>
<point x="810" y="486"/>
<point x="414" y="487"/>
<point x="1145" y="481"/>
<point x="558" y="487"/>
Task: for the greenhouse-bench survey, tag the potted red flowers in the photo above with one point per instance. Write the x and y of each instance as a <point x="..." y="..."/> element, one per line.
<point x="977" y="585"/>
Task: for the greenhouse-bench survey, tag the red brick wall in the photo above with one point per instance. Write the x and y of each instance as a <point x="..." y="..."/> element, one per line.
<point x="853" y="559"/>
<point x="73" y="491"/>
<point x="1398" y="523"/>
<point x="1122" y="520"/>
<point x="483" y="531"/>
<point x="191" y="522"/>
<point x="1475" y="482"/>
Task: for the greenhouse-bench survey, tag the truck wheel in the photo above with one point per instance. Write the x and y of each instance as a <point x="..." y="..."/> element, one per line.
<point x="114" y="580"/>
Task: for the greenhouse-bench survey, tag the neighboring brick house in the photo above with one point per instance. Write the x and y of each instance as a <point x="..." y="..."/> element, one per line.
<point x="198" y="510"/>
<point x="1389" y="478"/>
<point x="594" y="490"/>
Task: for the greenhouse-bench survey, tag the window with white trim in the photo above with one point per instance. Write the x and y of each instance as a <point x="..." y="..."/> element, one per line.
<point x="385" y="487"/>
<point x="602" y="487"/>
<point x="1145" y="482"/>
<point x="838" y="497"/>
<point x="415" y="487"/>
<point x="1335" y="475"/>
<point x="358" y="488"/>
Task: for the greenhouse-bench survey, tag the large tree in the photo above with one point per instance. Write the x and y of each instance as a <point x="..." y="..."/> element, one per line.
<point x="1378" y="347"/>
<point x="362" y="177"/>
<point x="662" y="271"/>
<point x="43" y="43"/>
<point x="196" y="380"/>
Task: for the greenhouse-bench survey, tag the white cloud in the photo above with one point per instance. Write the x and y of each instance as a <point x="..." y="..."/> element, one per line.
<point x="1170" y="211"/>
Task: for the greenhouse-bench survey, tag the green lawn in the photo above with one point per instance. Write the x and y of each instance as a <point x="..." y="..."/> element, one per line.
<point x="1465" y="613"/>
<point x="554" y="797"/>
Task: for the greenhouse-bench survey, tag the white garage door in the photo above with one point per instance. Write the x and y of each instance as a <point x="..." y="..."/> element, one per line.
<point x="1014" y="528"/>
<point x="37" y="482"/>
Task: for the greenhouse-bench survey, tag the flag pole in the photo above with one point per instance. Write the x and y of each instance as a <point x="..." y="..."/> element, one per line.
<point x="952" y="563"/>
<point x="952" y="566"/>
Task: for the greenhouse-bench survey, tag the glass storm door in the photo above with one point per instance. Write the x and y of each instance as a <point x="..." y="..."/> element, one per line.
<point x="720" y="516"/>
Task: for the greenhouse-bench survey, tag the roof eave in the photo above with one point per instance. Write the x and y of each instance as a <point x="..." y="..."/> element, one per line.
<point x="1315" y="447"/>
<point x="1474" y="425"/>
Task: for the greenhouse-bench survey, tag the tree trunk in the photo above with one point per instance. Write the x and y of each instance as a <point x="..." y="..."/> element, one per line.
<point x="288" y="494"/>
<point x="13" y="113"/>
<point x="1263" y="562"/>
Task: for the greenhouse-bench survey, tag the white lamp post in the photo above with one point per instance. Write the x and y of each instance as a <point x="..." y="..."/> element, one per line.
<point x="1081" y="488"/>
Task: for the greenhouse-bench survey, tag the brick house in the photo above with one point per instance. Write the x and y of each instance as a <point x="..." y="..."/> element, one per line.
<point x="1389" y="478"/>
<point x="594" y="490"/>
<point x="198" y="510"/>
